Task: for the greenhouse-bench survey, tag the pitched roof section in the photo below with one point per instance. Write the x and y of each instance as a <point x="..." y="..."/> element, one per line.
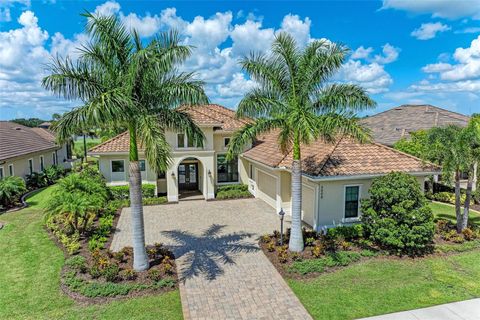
<point x="390" y="126"/>
<point x="17" y="140"/>
<point x="223" y="119"/>
<point x="344" y="158"/>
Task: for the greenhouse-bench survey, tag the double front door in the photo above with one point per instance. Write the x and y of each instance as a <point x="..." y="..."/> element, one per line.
<point x="188" y="176"/>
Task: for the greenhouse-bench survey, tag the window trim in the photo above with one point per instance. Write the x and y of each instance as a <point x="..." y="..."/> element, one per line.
<point x="12" y="171"/>
<point x="225" y="145"/>
<point x="359" y="213"/>
<point x="216" y="171"/>
<point x="185" y="143"/>
<point x="54" y="158"/>
<point x="32" y="170"/>
<point x="3" y="172"/>
<point x="42" y="163"/>
<point x="145" y="166"/>
<point x="111" y="169"/>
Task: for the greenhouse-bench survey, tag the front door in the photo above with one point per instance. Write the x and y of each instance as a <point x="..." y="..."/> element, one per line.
<point x="188" y="176"/>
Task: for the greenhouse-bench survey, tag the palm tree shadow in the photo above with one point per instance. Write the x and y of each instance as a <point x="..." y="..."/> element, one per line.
<point x="205" y="254"/>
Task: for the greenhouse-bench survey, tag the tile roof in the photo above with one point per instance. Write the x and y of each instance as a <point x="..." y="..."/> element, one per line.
<point x="344" y="158"/>
<point x="17" y="140"/>
<point x="390" y="126"/>
<point x="223" y="120"/>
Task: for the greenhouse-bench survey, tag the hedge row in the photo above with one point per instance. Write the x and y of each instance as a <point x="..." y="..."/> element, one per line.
<point x="122" y="192"/>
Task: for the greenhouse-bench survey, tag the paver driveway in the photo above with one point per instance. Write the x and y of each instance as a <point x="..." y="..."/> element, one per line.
<point x="224" y="273"/>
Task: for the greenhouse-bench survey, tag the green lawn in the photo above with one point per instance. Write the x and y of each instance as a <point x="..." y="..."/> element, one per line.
<point x="30" y="266"/>
<point x="447" y="211"/>
<point x="380" y="286"/>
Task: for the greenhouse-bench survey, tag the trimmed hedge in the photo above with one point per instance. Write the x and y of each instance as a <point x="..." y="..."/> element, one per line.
<point x="122" y="192"/>
<point x="233" y="191"/>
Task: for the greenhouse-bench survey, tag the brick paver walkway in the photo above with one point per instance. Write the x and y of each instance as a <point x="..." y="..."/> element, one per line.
<point x="224" y="273"/>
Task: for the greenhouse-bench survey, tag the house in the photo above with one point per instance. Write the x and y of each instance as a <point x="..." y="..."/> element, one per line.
<point x="25" y="150"/>
<point x="335" y="176"/>
<point x="394" y="124"/>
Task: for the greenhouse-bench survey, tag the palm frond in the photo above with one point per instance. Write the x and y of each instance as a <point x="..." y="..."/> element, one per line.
<point x="342" y="97"/>
<point x="180" y="121"/>
<point x="152" y="137"/>
<point x="260" y="103"/>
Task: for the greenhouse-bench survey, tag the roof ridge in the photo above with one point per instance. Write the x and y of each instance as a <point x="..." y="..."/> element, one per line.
<point x="443" y="111"/>
<point x="324" y="162"/>
<point x="207" y="115"/>
<point x="109" y="140"/>
<point x="229" y="110"/>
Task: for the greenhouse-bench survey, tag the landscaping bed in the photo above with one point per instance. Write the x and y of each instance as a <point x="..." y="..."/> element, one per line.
<point x="81" y="217"/>
<point x="233" y="191"/>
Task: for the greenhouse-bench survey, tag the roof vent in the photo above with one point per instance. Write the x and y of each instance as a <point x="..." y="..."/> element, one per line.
<point x="18" y="128"/>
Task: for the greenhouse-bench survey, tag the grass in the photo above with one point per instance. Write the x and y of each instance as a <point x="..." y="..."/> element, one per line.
<point x="447" y="211"/>
<point x="30" y="267"/>
<point x="382" y="286"/>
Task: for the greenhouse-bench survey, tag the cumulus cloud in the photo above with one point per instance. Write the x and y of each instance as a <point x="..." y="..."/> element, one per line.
<point x="250" y="37"/>
<point x="437" y="8"/>
<point x="372" y="77"/>
<point x="467" y="64"/>
<point x="429" y="30"/>
<point x="390" y="54"/>
<point x="107" y="9"/>
<point x="362" y="53"/>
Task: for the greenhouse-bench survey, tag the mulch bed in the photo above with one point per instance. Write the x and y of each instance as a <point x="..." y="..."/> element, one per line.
<point x="127" y="263"/>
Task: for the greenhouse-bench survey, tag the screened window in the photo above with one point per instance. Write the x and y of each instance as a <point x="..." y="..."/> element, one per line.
<point x="226" y="141"/>
<point x="30" y="165"/>
<point x="141" y="164"/>
<point x="352" y="196"/>
<point x="227" y="171"/>
<point x="42" y="163"/>
<point x="54" y="158"/>
<point x="1" y="173"/>
<point x="10" y="169"/>
<point x="118" y="166"/>
<point x="181" y="140"/>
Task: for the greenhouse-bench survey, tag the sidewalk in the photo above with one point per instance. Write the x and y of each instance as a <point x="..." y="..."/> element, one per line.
<point x="463" y="310"/>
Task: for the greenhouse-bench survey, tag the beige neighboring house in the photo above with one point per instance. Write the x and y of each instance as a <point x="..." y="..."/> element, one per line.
<point x="335" y="176"/>
<point x="25" y="150"/>
<point x="394" y="124"/>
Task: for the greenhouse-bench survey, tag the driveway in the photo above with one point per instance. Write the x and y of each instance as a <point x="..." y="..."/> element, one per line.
<point x="224" y="274"/>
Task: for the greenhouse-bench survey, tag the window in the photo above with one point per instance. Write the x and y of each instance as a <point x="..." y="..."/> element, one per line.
<point x="226" y="141"/>
<point x="54" y="158"/>
<point x="10" y="170"/>
<point x="141" y="164"/>
<point x="118" y="166"/>
<point x="42" y="164"/>
<point x="352" y="197"/>
<point x="30" y="165"/>
<point x="250" y="175"/>
<point x="227" y="171"/>
<point x="161" y="175"/>
<point x="181" y="140"/>
<point x="1" y="173"/>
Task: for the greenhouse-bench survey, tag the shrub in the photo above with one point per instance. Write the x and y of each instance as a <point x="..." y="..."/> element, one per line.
<point x="77" y="263"/>
<point x="154" y="201"/>
<point x="271" y="246"/>
<point x="234" y="191"/>
<point x="36" y="180"/>
<point x="123" y="192"/>
<point x="318" y="250"/>
<point x="154" y="275"/>
<point x="265" y="238"/>
<point x="11" y="188"/>
<point x="349" y="233"/>
<point x="95" y="272"/>
<point x="111" y="272"/>
<point x="396" y="216"/>
<point x="129" y="274"/>
<point x="468" y="234"/>
<point x="448" y="197"/>
<point x="53" y="174"/>
<point x="309" y="241"/>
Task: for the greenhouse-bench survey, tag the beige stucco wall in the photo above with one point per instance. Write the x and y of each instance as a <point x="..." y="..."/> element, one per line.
<point x="21" y="167"/>
<point x="105" y="166"/>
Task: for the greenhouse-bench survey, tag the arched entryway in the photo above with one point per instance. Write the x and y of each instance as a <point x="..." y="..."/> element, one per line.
<point x="190" y="179"/>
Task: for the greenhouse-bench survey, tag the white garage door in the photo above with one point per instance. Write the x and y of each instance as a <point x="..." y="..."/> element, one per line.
<point x="266" y="188"/>
<point x="308" y="204"/>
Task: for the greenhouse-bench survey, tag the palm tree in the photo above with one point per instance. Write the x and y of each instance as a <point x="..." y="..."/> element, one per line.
<point x="295" y="96"/>
<point x="124" y="83"/>
<point x="457" y="149"/>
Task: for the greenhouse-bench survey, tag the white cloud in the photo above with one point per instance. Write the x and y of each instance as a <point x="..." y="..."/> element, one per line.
<point x="107" y="9"/>
<point x="437" y="8"/>
<point x="429" y="30"/>
<point x="5" y="15"/>
<point x="237" y="87"/>
<point x="469" y="30"/>
<point x="390" y="54"/>
<point x="298" y="28"/>
<point x="471" y="86"/>
<point x="145" y="26"/>
<point x="467" y="64"/>
<point x="372" y="77"/>
<point x="362" y="53"/>
<point x="250" y="37"/>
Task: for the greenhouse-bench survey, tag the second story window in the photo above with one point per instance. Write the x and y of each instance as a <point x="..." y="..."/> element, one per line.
<point x="184" y="142"/>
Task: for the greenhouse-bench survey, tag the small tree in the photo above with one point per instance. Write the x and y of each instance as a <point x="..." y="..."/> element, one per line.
<point x="396" y="216"/>
<point x="11" y="188"/>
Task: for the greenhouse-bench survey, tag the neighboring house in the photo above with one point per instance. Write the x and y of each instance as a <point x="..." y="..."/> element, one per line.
<point x="25" y="150"/>
<point x="394" y="124"/>
<point x="335" y="177"/>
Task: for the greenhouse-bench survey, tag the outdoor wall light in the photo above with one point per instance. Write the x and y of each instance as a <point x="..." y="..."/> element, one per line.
<point x="173" y="175"/>
<point x="209" y="173"/>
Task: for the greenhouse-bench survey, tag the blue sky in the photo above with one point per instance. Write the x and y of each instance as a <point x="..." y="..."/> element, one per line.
<point x="402" y="51"/>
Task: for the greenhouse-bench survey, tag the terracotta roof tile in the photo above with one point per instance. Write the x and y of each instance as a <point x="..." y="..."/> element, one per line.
<point x="17" y="140"/>
<point x="222" y="118"/>
<point x="345" y="157"/>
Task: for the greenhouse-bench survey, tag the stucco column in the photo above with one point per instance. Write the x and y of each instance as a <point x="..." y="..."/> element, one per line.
<point x="172" y="185"/>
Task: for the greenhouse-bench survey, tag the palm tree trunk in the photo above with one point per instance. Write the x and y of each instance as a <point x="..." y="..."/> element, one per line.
<point x="296" y="237"/>
<point x="466" y="207"/>
<point x="140" y="259"/>
<point x="458" y="213"/>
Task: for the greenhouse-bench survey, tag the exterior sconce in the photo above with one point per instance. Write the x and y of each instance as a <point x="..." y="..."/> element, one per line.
<point x="173" y="175"/>
<point x="209" y="173"/>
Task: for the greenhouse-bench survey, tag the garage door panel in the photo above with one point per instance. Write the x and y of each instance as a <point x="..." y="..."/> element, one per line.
<point x="267" y="187"/>
<point x="308" y="207"/>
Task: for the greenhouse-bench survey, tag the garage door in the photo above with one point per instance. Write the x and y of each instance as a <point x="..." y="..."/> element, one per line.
<point x="267" y="188"/>
<point x="308" y="201"/>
